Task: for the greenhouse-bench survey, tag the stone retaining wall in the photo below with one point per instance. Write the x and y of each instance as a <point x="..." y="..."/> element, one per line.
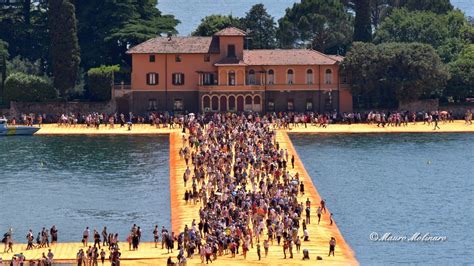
<point x="54" y="108"/>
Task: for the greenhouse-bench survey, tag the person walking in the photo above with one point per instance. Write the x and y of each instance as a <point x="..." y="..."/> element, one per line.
<point x="50" y="256"/>
<point x="96" y="238"/>
<point x="436" y="120"/>
<point x="308" y="215"/>
<point x="156" y="236"/>
<point x="258" y="251"/>
<point x="102" y="256"/>
<point x="319" y="212"/>
<point x="54" y="234"/>
<point x="266" y="245"/>
<point x="85" y="236"/>
<point x="332" y="246"/>
<point x="105" y="237"/>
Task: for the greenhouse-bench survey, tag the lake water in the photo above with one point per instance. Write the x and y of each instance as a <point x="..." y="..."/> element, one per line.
<point x="400" y="184"/>
<point x="190" y="12"/>
<point x="79" y="181"/>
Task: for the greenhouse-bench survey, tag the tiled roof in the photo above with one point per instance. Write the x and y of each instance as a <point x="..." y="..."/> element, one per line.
<point x="230" y="31"/>
<point x="177" y="45"/>
<point x="338" y="58"/>
<point x="230" y="61"/>
<point x="286" y="57"/>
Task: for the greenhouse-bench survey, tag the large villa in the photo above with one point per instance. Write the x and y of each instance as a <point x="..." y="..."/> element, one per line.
<point x="211" y="74"/>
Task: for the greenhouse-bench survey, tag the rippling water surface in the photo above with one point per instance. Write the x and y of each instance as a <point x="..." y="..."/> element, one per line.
<point x="190" y="12"/>
<point x="80" y="181"/>
<point x="399" y="184"/>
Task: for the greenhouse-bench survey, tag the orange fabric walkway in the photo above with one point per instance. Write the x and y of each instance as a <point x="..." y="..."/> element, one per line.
<point x="182" y="214"/>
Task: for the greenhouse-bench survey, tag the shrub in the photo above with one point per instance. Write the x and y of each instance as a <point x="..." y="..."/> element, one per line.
<point x="100" y="81"/>
<point x="22" y="87"/>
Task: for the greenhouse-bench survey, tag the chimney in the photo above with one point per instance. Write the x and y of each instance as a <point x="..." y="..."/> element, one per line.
<point x="170" y="36"/>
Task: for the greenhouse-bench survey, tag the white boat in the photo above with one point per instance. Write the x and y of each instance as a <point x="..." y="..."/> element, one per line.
<point x="6" y="130"/>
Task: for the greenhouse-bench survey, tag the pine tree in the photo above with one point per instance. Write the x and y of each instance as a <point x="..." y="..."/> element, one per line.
<point x="261" y="26"/>
<point x="362" y="23"/>
<point x="65" y="52"/>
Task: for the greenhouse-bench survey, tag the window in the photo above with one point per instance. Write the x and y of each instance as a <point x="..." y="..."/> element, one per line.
<point x="248" y="100"/>
<point x="178" y="58"/>
<point x="290" y="76"/>
<point x="215" y="103"/>
<point x="230" y="50"/>
<point x="309" y="105"/>
<point x="208" y="79"/>
<point x="271" y="105"/>
<point x="151" y="104"/>
<point x="206" y="103"/>
<point x="271" y="77"/>
<point x="328" y="76"/>
<point x="178" y="78"/>
<point x="256" y="100"/>
<point x="178" y="105"/>
<point x="231" y="103"/>
<point x="290" y="105"/>
<point x="252" y="80"/>
<point x="309" y="76"/>
<point x="152" y="78"/>
<point x="207" y="58"/>
<point x="231" y="78"/>
<point x="151" y="58"/>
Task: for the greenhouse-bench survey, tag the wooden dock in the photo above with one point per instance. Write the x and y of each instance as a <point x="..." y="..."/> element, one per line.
<point x="182" y="214"/>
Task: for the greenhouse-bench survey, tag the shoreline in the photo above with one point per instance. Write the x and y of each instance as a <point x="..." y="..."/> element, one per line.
<point x="457" y="126"/>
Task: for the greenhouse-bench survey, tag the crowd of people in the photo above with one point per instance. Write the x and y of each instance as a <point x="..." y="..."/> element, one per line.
<point x="244" y="182"/>
<point x="281" y="119"/>
<point x="241" y="178"/>
<point x="42" y="241"/>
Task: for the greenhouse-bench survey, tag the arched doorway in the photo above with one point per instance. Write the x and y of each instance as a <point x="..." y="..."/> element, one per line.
<point x="240" y="103"/>
<point x="257" y="103"/>
<point x="206" y="103"/>
<point x="215" y="103"/>
<point x="223" y="104"/>
<point x="231" y="103"/>
<point x="248" y="103"/>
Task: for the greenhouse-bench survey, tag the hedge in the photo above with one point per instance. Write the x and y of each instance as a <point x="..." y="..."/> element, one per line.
<point x="22" y="87"/>
<point x="100" y="81"/>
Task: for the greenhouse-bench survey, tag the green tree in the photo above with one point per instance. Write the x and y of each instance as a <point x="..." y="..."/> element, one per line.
<point x="262" y="28"/>
<point x="447" y="33"/>
<point x="214" y="23"/>
<point x="23" y="25"/>
<point x="461" y="84"/>
<point x="323" y="25"/>
<point x="106" y="29"/>
<point x="362" y="22"/>
<point x="28" y="88"/>
<point x="100" y="81"/>
<point x="394" y="71"/>
<point x="3" y="67"/>
<point x="436" y="6"/>
<point x="23" y="65"/>
<point x="65" y="52"/>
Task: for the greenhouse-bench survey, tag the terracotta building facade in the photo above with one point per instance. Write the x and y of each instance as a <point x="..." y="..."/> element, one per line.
<point x="216" y="74"/>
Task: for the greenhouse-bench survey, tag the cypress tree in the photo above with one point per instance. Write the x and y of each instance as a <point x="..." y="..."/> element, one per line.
<point x="362" y="23"/>
<point x="65" y="53"/>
